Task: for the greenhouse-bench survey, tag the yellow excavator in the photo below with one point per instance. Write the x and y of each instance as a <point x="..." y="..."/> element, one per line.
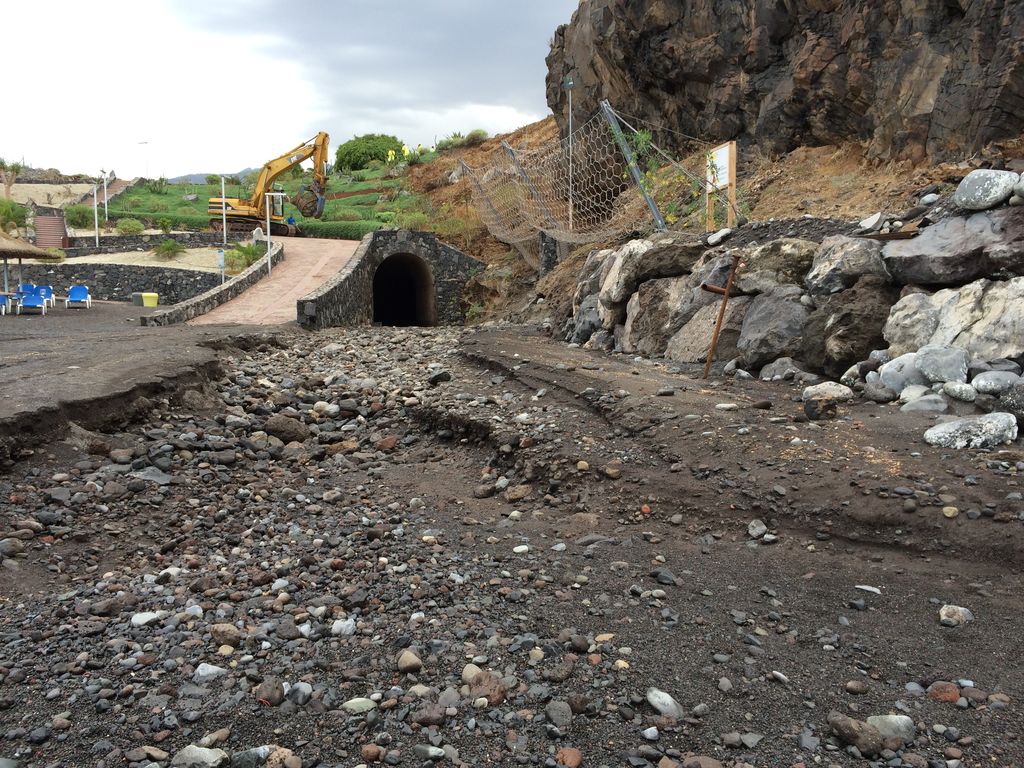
<point x="245" y="215"/>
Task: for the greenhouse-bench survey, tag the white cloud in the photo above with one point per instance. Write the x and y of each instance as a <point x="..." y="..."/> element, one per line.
<point x="217" y="87"/>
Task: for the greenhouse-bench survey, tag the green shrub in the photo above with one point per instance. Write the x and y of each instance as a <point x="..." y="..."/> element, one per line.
<point x="357" y="153"/>
<point x="456" y="140"/>
<point x="11" y="213"/>
<point x="341" y="230"/>
<point x="475" y="138"/>
<point x="452" y="141"/>
<point x="360" y="175"/>
<point x="168" y="249"/>
<point x="129" y="227"/>
<point x="165" y="225"/>
<point x="232" y="180"/>
<point x="243" y="256"/>
<point x="384" y="217"/>
<point x="212" y="178"/>
<point x="344" y="214"/>
<point x="78" y="216"/>
<point x="157" y="186"/>
<point x="412" y="220"/>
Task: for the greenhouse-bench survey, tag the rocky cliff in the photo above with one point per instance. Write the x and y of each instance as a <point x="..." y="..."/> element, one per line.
<point x="912" y="80"/>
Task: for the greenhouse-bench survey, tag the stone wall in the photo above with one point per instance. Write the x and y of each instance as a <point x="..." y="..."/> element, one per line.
<point x="347" y="299"/>
<point x="117" y="282"/>
<point x="220" y="294"/>
<point x="86" y="245"/>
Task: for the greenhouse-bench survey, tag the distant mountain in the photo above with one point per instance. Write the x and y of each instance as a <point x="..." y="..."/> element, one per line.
<point x="200" y="178"/>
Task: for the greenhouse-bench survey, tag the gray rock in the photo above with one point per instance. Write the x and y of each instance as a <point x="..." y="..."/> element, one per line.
<point x="941" y="364"/>
<point x="773" y="326"/>
<point x="957" y="250"/>
<point x="691" y="343"/>
<point x="559" y="713"/>
<point x="894" y="727"/>
<point x="985" y="188"/>
<point x="930" y="199"/>
<point x="995" y="382"/>
<point x="974" y="432"/>
<point x="756" y="529"/>
<point x="784" y="368"/>
<point x="782" y="262"/>
<point x="300" y="693"/>
<point x="839" y="261"/>
<point x="926" y="404"/>
<point x="206" y="673"/>
<point x="901" y="372"/>
<point x="199" y="757"/>
<point x="878" y="392"/>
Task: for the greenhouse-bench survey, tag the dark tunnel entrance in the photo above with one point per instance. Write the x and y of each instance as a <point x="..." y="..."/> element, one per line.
<point x="403" y="292"/>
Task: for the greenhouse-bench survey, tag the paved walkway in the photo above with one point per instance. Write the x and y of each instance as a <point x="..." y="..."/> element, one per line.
<point x="308" y="263"/>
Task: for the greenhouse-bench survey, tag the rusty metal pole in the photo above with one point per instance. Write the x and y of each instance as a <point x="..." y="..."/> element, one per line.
<point x="721" y="314"/>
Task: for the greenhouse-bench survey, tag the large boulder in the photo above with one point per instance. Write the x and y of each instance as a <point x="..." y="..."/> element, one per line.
<point x="986" y="318"/>
<point x="1012" y="402"/>
<point x="840" y="261"/>
<point x="780" y="262"/>
<point x="848" y="325"/>
<point x="639" y="261"/>
<point x="773" y="327"/>
<point x="691" y="343"/>
<point x="585" y="320"/>
<point x="585" y="306"/>
<point x="984" y="188"/>
<point x="960" y="249"/>
<point x="660" y="307"/>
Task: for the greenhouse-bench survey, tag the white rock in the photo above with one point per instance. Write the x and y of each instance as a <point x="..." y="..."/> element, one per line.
<point x="719" y="236"/>
<point x="145" y="618"/>
<point x="756" y="529"/>
<point x="985" y="188"/>
<point x="914" y="392"/>
<point x="974" y="432"/>
<point x="343" y="627"/>
<point x="930" y="199"/>
<point x="871" y="222"/>
<point x="899" y="373"/>
<point x="894" y="727"/>
<point x="828" y="390"/>
<point x="199" y="757"/>
<point x="665" y="704"/>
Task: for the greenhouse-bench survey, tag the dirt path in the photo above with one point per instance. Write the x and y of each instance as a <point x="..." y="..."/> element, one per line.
<point x="308" y="262"/>
<point x="496" y="545"/>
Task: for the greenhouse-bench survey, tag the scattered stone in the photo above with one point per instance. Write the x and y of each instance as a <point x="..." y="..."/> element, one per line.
<point x="954" y="615"/>
<point x="974" y="432"/>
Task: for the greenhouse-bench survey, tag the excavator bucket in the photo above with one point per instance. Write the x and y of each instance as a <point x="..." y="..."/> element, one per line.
<point x="309" y="202"/>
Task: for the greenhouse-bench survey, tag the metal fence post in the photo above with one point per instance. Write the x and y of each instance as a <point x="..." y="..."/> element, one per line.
<point x="620" y="139"/>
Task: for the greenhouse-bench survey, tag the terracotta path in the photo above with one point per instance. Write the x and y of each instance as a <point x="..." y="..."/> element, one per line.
<point x="307" y="263"/>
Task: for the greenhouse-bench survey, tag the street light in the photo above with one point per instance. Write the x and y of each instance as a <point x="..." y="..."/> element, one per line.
<point x="106" y="215"/>
<point x="569" y="85"/>
<point x="96" y="214"/>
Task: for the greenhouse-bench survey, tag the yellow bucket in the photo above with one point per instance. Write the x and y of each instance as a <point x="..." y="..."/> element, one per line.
<point x="150" y="299"/>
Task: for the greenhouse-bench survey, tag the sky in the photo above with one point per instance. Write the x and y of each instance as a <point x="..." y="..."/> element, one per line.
<point x="169" y="87"/>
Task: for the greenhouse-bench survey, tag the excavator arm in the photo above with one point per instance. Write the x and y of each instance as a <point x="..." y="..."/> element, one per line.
<point x="243" y="215"/>
<point x="315" y="148"/>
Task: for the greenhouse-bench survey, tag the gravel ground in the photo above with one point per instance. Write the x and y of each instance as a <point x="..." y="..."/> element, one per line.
<point x="418" y="547"/>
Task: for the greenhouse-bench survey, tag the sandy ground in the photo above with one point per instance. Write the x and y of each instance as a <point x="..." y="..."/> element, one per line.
<point x="49" y="194"/>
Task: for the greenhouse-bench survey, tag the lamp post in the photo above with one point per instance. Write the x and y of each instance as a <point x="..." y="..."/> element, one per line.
<point x="569" y="85"/>
<point x="106" y="214"/>
<point x="223" y="211"/>
<point x="269" y="195"/>
<point x="96" y="213"/>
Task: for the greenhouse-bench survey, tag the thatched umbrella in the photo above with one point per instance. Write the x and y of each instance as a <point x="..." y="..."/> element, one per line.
<point x="10" y="247"/>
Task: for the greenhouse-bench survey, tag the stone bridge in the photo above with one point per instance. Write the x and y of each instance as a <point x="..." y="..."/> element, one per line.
<point x="395" y="277"/>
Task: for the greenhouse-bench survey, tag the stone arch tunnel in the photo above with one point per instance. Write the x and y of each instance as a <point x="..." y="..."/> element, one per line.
<point x="395" y="277"/>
